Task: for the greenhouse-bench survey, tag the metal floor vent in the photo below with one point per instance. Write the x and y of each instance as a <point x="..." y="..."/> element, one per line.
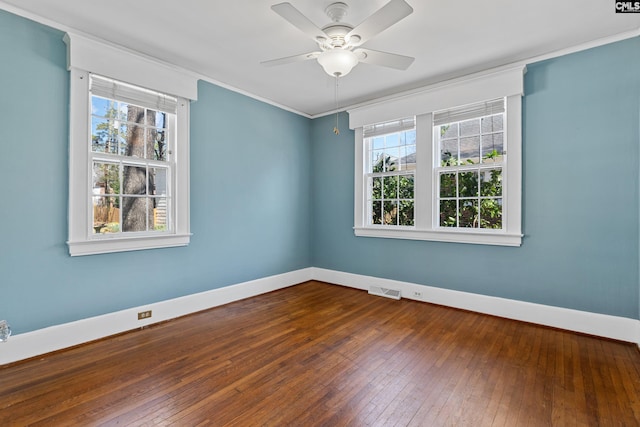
<point x="384" y="292"/>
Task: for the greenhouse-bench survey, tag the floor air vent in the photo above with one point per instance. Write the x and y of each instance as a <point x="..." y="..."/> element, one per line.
<point x="384" y="292"/>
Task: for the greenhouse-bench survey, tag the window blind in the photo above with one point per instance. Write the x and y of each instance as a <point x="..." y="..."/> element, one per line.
<point x="386" y="128"/>
<point x="113" y="89"/>
<point x="470" y="111"/>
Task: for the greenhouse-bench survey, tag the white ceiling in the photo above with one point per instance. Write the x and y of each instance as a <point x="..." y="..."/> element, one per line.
<point x="225" y="41"/>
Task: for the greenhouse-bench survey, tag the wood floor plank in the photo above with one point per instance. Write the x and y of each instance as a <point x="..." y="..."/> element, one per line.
<point x="324" y="355"/>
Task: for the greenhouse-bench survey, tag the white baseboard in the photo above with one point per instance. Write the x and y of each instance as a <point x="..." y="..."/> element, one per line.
<point x="602" y="325"/>
<point x="53" y="338"/>
<point x="41" y="341"/>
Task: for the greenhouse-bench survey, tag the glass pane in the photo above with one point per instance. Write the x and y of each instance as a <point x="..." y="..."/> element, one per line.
<point x="159" y="214"/>
<point x="470" y="150"/>
<point x="449" y="131"/>
<point x="405" y="183"/>
<point x="492" y="147"/>
<point x="376" y="212"/>
<point x="492" y="123"/>
<point x="136" y="213"/>
<point x="158" y="181"/>
<point x="468" y="184"/>
<point x="409" y="137"/>
<point x="390" y="213"/>
<point x="470" y="127"/>
<point x="491" y="182"/>
<point x="469" y="213"/>
<point x="491" y="213"/>
<point x="449" y="152"/>
<point x="106" y="178"/>
<point x="377" y="161"/>
<point x="376" y="188"/>
<point x="390" y="187"/>
<point x="406" y="213"/>
<point x="134" y="140"/>
<point x="131" y="113"/>
<point x="448" y="185"/>
<point x="134" y="180"/>
<point x="408" y="157"/>
<point x="393" y="159"/>
<point x="104" y="136"/>
<point x="392" y="140"/>
<point x="158" y="142"/>
<point x="103" y="107"/>
<point x="377" y="143"/>
<point x="106" y="214"/>
<point x="448" y="213"/>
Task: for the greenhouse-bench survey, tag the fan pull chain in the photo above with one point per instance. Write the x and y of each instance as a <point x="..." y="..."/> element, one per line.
<point x="336" y="129"/>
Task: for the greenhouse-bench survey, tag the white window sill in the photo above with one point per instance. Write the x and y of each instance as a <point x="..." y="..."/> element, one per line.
<point x="472" y="237"/>
<point x="103" y="246"/>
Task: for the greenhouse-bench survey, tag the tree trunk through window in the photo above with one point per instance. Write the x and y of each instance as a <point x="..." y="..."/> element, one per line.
<point x="136" y="214"/>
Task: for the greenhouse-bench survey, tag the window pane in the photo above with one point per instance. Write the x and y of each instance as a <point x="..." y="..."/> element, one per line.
<point x="158" y="181"/>
<point x="492" y="147"/>
<point x="408" y="158"/>
<point x="405" y="187"/>
<point x="376" y="188"/>
<point x="470" y="150"/>
<point x="377" y="161"/>
<point x="392" y="140"/>
<point x="470" y="127"/>
<point x="449" y="152"/>
<point x="377" y="143"/>
<point x="106" y="178"/>
<point x="106" y="215"/>
<point x="491" y="182"/>
<point x="390" y="187"/>
<point x="103" y="107"/>
<point x="449" y="131"/>
<point x="469" y="213"/>
<point x="159" y="214"/>
<point x="390" y="213"/>
<point x="135" y="214"/>
<point x="134" y="180"/>
<point x="468" y="184"/>
<point x="406" y="213"/>
<point x="491" y="213"/>
<point x="104" y="136"/>
<point x="448" y="213"/>
<point x="158" y="143"/>
<point x="393" y="159"/>
<point x="376" y="212"/>
<point x="492" y="123"/>
<point x="448" y="185"/>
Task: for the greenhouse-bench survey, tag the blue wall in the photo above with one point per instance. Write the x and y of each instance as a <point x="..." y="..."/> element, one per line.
<point x="250" y="196"/>
<point x="580" y="197"/>
<point x="272" y="192"/>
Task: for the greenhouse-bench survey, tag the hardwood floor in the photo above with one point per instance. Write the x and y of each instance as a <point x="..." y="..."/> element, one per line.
<point x="325" y="355"/>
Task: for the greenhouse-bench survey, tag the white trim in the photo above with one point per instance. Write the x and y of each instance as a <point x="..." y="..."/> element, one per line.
<point x="122" y="64"/>
<point x="53" y="338"/>
<point x="602" y="325"/>
<point x="463" y="236"/>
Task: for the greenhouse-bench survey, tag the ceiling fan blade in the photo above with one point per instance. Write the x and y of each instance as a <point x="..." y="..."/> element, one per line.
<point x="298" y="20"/>
<point x="290" y="59"/>
<point x="382" y="19"/>
<point x="385" y="59"/>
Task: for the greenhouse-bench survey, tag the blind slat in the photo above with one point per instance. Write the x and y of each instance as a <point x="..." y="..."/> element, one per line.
<point x="108" y="88"/>
<point x="470" y="111"/>
<point x="387" y="128"/>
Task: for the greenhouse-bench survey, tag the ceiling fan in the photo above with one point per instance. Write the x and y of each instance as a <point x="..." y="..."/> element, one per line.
<point x="340" y="43"/>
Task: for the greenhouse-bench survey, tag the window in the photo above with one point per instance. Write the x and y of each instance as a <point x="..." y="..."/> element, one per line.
<point x="469" y="168"/>
<point x="129" y="152"/>
<point x="451" y="172"/>
<point x="391" y="161"/>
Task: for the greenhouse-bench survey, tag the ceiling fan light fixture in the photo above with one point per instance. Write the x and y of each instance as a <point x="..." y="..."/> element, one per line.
<point x="338" y="62"/>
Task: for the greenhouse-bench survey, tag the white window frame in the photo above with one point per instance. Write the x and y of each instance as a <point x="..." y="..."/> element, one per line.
<point x="507" y="83"/>
<point x="87" y="56"/>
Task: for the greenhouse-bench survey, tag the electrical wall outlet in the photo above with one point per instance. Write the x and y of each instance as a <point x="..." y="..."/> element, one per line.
<point x="144" y="315"/>
<point x="417" y="294"/>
